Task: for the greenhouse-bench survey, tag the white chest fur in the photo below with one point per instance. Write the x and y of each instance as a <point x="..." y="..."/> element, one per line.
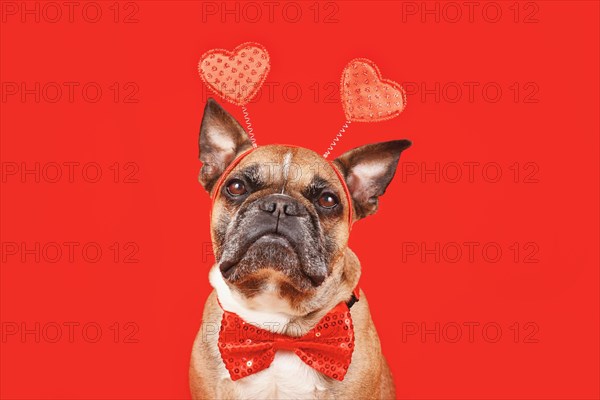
<point x="288" y="377"/>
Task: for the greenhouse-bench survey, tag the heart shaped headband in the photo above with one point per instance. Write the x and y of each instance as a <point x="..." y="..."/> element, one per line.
<point x="237" y="76"/>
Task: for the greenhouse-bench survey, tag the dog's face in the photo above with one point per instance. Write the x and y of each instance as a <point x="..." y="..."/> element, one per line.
<point x="280" y="217"/>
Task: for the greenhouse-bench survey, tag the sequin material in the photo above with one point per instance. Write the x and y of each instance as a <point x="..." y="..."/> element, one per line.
<point x="366" y="96"/>
<point x="247" y="349"/>
<point x="236" y="75"/>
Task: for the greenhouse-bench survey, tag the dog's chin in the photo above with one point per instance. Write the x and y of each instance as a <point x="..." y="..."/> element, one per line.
<point x="268" y="262"/>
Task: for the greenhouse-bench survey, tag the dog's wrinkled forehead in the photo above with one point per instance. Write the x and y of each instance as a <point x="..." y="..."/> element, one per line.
<point x="287" y="169"/>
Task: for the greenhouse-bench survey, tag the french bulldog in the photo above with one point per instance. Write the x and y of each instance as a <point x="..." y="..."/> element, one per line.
<point x="280" y="223"/>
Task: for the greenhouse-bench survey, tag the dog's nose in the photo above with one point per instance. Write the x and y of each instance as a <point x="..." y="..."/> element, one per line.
<point x="281" y="205"/>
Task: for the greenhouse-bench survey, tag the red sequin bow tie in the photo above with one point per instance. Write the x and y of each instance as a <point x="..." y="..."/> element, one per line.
<point x="247" y="349"/>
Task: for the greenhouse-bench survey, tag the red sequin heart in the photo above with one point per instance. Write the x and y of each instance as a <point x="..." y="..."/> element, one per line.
<point x="235" y="75"/>
<point x="366" y="96"/>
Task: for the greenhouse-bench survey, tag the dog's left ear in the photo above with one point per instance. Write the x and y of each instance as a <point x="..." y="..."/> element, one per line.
<point x="368" y="170"/>
<point x="222" y="139"/>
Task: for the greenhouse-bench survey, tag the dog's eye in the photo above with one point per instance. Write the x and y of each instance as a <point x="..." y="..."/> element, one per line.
<point x="235" y="187"/>
<point x="328" y="200"/>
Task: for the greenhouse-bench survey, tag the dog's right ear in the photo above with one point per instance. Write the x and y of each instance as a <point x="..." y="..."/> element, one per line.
<point x="222" y="138"/>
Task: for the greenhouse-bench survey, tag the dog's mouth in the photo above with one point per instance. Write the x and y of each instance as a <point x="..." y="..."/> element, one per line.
<point x="271" y="251"/>
<point x="273" y="240"/>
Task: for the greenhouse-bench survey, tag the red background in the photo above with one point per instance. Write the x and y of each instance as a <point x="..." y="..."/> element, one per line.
<point x="549" y="49"/>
